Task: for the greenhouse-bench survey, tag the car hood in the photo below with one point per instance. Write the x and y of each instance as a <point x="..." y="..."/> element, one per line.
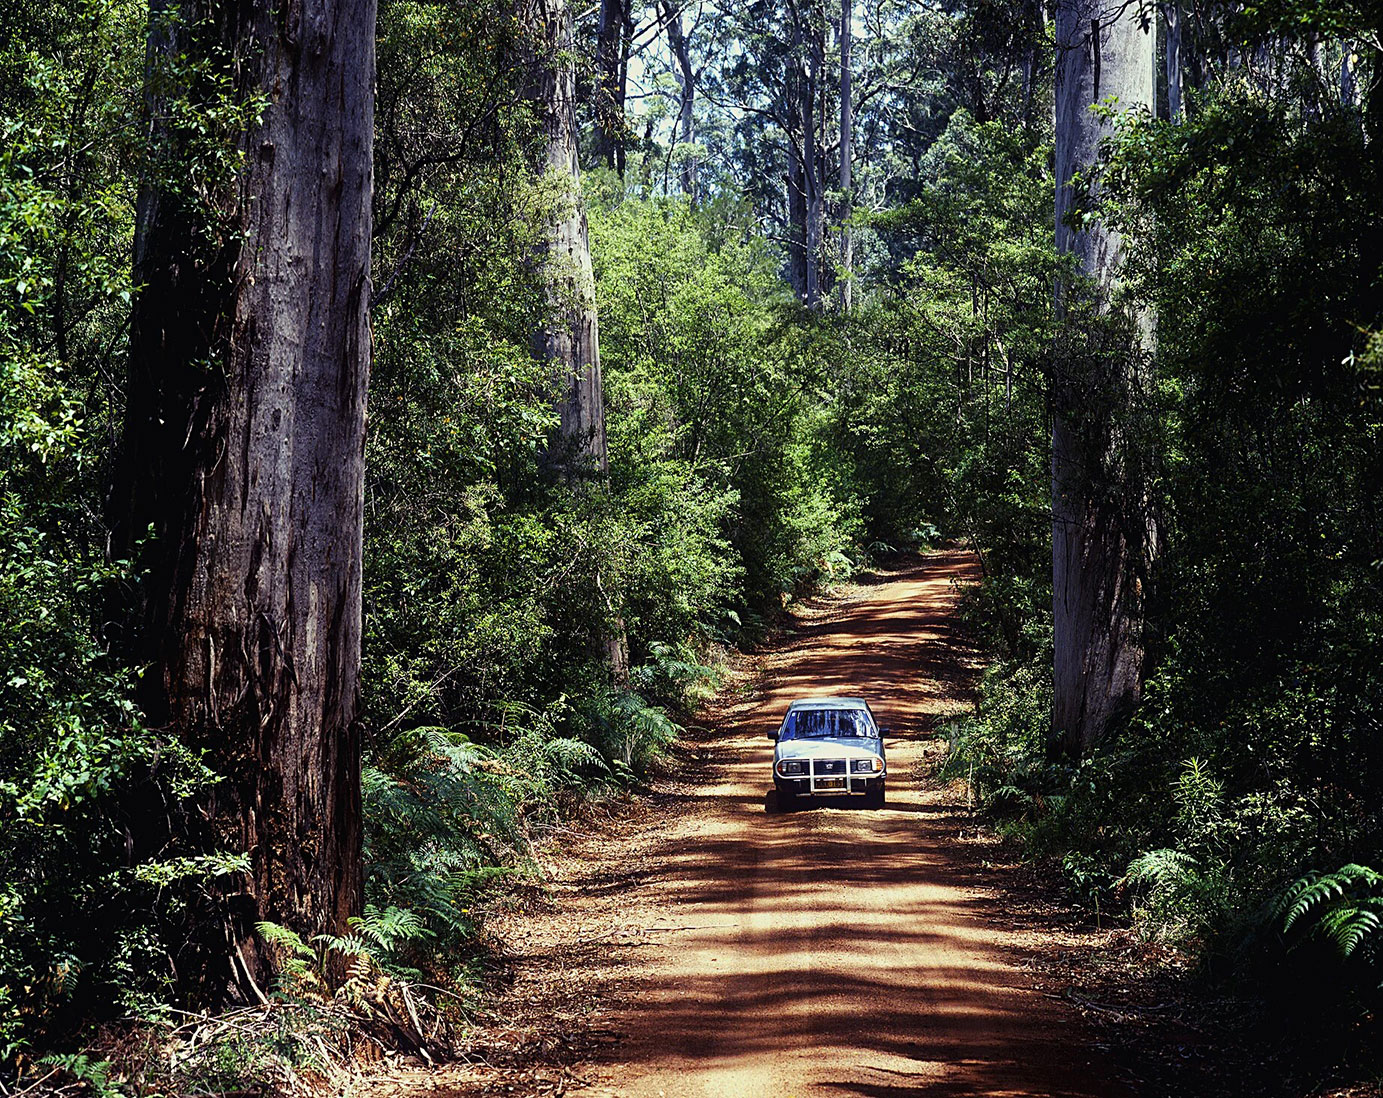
<point x="830" y="749"/>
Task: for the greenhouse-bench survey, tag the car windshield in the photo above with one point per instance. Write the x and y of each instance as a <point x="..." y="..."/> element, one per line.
<point x="818" y="724"/>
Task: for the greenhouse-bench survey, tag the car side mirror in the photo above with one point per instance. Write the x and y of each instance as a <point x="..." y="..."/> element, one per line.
<point x="773" y="735"/>
<point x="885" y="732"/>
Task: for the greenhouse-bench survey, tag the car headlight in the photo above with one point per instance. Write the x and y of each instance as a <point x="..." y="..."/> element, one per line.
<point x="868" y="766"/>
<point x="792" y="766"/>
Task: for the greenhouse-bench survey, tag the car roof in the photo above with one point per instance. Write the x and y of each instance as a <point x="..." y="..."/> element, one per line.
<point x="828" y="703"/>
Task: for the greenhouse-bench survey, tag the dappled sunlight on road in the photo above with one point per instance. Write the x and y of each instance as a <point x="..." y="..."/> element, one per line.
<point x="835" y="950"/>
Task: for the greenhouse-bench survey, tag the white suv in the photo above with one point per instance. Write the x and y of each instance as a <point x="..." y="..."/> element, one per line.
<point x="829" y="747"/>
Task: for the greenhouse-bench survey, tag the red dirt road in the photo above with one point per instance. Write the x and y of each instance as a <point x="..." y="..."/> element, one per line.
<point x="708" y="946"/>
<point x="839" y="951"/>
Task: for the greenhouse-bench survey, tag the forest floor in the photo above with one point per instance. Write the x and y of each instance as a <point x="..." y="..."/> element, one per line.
<point x="698" y="942"/>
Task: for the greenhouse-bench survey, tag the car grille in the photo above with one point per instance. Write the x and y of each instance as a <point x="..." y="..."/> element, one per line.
<point x="830" y="766"/>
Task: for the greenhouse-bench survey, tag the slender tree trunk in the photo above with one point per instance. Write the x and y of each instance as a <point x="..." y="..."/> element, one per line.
<point x="1035" y="25"/>
<point x="243" y="453"/>
<point x="1349" y="92"/>
<point x="797" y="221"/>
<point x="609" y="82"/>
<point x="686" y="81"/>
<point x="1101" y="537"/>
<point x="622" y="88"/>
<point x="816" y="197"/>
<point x="847" y="123"/>
<point x="801" y="87"/>
<point x="1172" y="13"/>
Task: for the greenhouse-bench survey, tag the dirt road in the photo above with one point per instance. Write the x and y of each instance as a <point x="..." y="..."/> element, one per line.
<point x="732" y="951"/>
<point x="837" y="950"/>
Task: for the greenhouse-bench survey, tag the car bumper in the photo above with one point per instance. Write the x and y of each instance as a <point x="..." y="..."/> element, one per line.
<point x="829" y="786"/>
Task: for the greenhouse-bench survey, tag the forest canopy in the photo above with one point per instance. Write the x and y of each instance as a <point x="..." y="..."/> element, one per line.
<point x="399" y="428"/>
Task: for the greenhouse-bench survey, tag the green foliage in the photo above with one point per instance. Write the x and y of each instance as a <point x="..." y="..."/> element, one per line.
<point x="943" y="405"/>
<point x="1253" y="230"/>
<point x="998" y="749"/>
<point x="717" y="391"/>
<point x="1344" y="908"/>
<point x="756" y="449"/>
<point x="86" y="914"/>
<point x="94" y="1073"/>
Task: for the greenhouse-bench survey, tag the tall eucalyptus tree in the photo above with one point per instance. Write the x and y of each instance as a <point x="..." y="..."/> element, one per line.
<point x="1102" y="534"/>
<point x="569" y="338"/>
<point x="239" y="492"/>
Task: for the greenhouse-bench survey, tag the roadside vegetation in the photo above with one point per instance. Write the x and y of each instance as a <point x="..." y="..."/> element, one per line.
<point x="802" y="370"/>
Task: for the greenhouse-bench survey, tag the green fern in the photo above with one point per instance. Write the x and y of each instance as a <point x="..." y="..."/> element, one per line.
<point x="572" y="759"/>
<point x="94" y="1073"/>
<point x="1160" y="868"/>
<point x="674" y="674"/>
<point x="1344" y="908"/>
<point x="296" y="954"/>
<point x="390" y="928"/>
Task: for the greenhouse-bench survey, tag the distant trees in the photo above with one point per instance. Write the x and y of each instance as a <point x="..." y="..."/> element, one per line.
<point x="1102" y="533"/>
<point x="239" y="492"/>
<point x="782" y="86"/>
<point x="825" y="106"/>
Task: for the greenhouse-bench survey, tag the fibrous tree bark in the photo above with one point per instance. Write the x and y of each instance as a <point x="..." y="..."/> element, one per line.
<point x="1102" y="535"/>
<point x="243" y="449"/>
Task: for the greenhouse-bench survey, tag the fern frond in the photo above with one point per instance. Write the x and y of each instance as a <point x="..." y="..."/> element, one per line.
<point x="1344" y="908"/>
<point x="285" y="939"/>
<point x="1160" y="868"/>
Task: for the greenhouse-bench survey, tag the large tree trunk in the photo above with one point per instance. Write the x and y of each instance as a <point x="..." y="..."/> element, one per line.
<point x="570" y="340"/>
<point x="1101" y="536"/>
<point x="243" y="453"/>
<point x="847" y="122"/>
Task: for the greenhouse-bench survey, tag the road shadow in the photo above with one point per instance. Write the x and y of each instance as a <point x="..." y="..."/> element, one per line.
<point x="850" y="949"/>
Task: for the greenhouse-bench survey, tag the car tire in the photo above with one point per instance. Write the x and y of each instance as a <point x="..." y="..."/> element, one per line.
<point x="875" y="797"/>
<point x="787" y="801"/>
